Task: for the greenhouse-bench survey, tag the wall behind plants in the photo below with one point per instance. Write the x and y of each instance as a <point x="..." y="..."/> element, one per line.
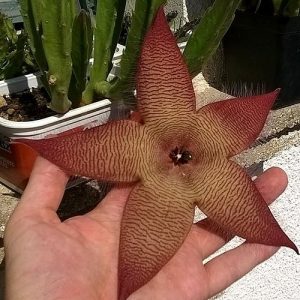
<point x="11" y="9"/>
<point x="187" y="9"/>
<point x="172" y="5"/>
<point x="194" y="8"/>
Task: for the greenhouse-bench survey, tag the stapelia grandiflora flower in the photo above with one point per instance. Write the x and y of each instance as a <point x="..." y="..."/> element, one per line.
<point x="177" y="157"/>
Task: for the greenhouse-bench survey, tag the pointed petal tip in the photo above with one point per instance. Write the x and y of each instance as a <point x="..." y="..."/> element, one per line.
<point x="294" y="247"/>
<point x="160" y="15"/>
<point x="268" y="98"/>
<point x="282" y="240"/>
<point x="160" y="18"/>
<point x="296" y="250"/>
<point x="289" y="244"/>
<point x="275" y="93"/>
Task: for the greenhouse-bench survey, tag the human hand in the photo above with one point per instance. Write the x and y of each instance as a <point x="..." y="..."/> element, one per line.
<point x="78" y="258"/>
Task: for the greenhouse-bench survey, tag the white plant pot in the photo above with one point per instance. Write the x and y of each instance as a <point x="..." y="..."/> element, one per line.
<point x="21" y="83"/>
<point x="16" y="160"/>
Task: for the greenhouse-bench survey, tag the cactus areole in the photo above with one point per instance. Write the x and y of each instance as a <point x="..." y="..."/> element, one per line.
<point x="177" y="157"/>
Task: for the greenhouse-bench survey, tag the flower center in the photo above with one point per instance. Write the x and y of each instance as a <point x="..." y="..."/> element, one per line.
<point x="180" y="156"/>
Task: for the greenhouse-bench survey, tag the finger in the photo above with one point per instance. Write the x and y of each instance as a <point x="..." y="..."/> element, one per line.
<point x="110" y="209"/>
<point x="227" y="268"/>
<point x="44" y="190"/>
<point x="211" y="237"/>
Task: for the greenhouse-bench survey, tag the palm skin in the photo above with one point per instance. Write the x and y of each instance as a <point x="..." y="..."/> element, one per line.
<point x="78" y="258"/>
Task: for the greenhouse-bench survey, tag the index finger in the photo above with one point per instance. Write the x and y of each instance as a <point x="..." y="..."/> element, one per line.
<point x="45" y="188"/>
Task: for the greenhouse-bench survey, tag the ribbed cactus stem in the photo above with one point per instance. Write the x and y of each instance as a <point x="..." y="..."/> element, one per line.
<point x="290" y="8"/>
<point x="82" y="44"/>
<point x="7" y="36"/>
<point x="143" y="15"/>
<point x="31" y="11"/>
<point x="109" y="17"/>
<point x="208" y="34"/>
<point x="57" y="22"/>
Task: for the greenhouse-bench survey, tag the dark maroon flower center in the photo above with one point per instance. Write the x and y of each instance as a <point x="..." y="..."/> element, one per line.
<point x="180" y="156"/>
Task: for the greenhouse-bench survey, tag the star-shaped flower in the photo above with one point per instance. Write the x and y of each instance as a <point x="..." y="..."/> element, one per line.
<point x="178" y="158"/>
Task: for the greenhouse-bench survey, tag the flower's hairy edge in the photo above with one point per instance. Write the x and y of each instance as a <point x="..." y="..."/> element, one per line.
<point x="236" y="123"/>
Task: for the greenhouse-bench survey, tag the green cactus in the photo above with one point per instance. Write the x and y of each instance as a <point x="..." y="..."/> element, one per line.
<point x="82" y="44"/>
<point x="5" y="40"/>
<point x="123" y="85"/>
<point x="8" y="35"/>
<point x="290" y="8"/>
<point x="109" y="17"/>
<point x="208" y="34"/>
<point x="15" y="55"/>
<point x="201" y="45"/>
<point x="49" y="26"/>
<point x="32" y="16"/>
<point x="31" y="11"/>
<point x="61" y="40"/>
<point x="57" y="23"/>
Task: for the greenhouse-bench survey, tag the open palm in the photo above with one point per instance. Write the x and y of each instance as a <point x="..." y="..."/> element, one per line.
<point x="78" y="258"/>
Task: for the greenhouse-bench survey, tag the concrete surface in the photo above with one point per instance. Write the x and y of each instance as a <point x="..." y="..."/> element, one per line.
<point x="11" y="9"/>
<point x="279" y="277"/>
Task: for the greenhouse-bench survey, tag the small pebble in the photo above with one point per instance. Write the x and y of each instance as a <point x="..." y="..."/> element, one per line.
<point x="2" y="101"/>
<point x="10" y="111"/>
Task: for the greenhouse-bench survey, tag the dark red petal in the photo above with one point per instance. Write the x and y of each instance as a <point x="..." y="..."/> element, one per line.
<point x="106" y="152"/>
<point x="236" y="123"/>
<point x="156" y="220"/>
<point x="227" y="195"/>
<point x="164" y="86"/>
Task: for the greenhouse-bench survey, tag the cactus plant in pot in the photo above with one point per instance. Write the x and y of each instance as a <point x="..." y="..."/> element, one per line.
<point x="61" y="36"/>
